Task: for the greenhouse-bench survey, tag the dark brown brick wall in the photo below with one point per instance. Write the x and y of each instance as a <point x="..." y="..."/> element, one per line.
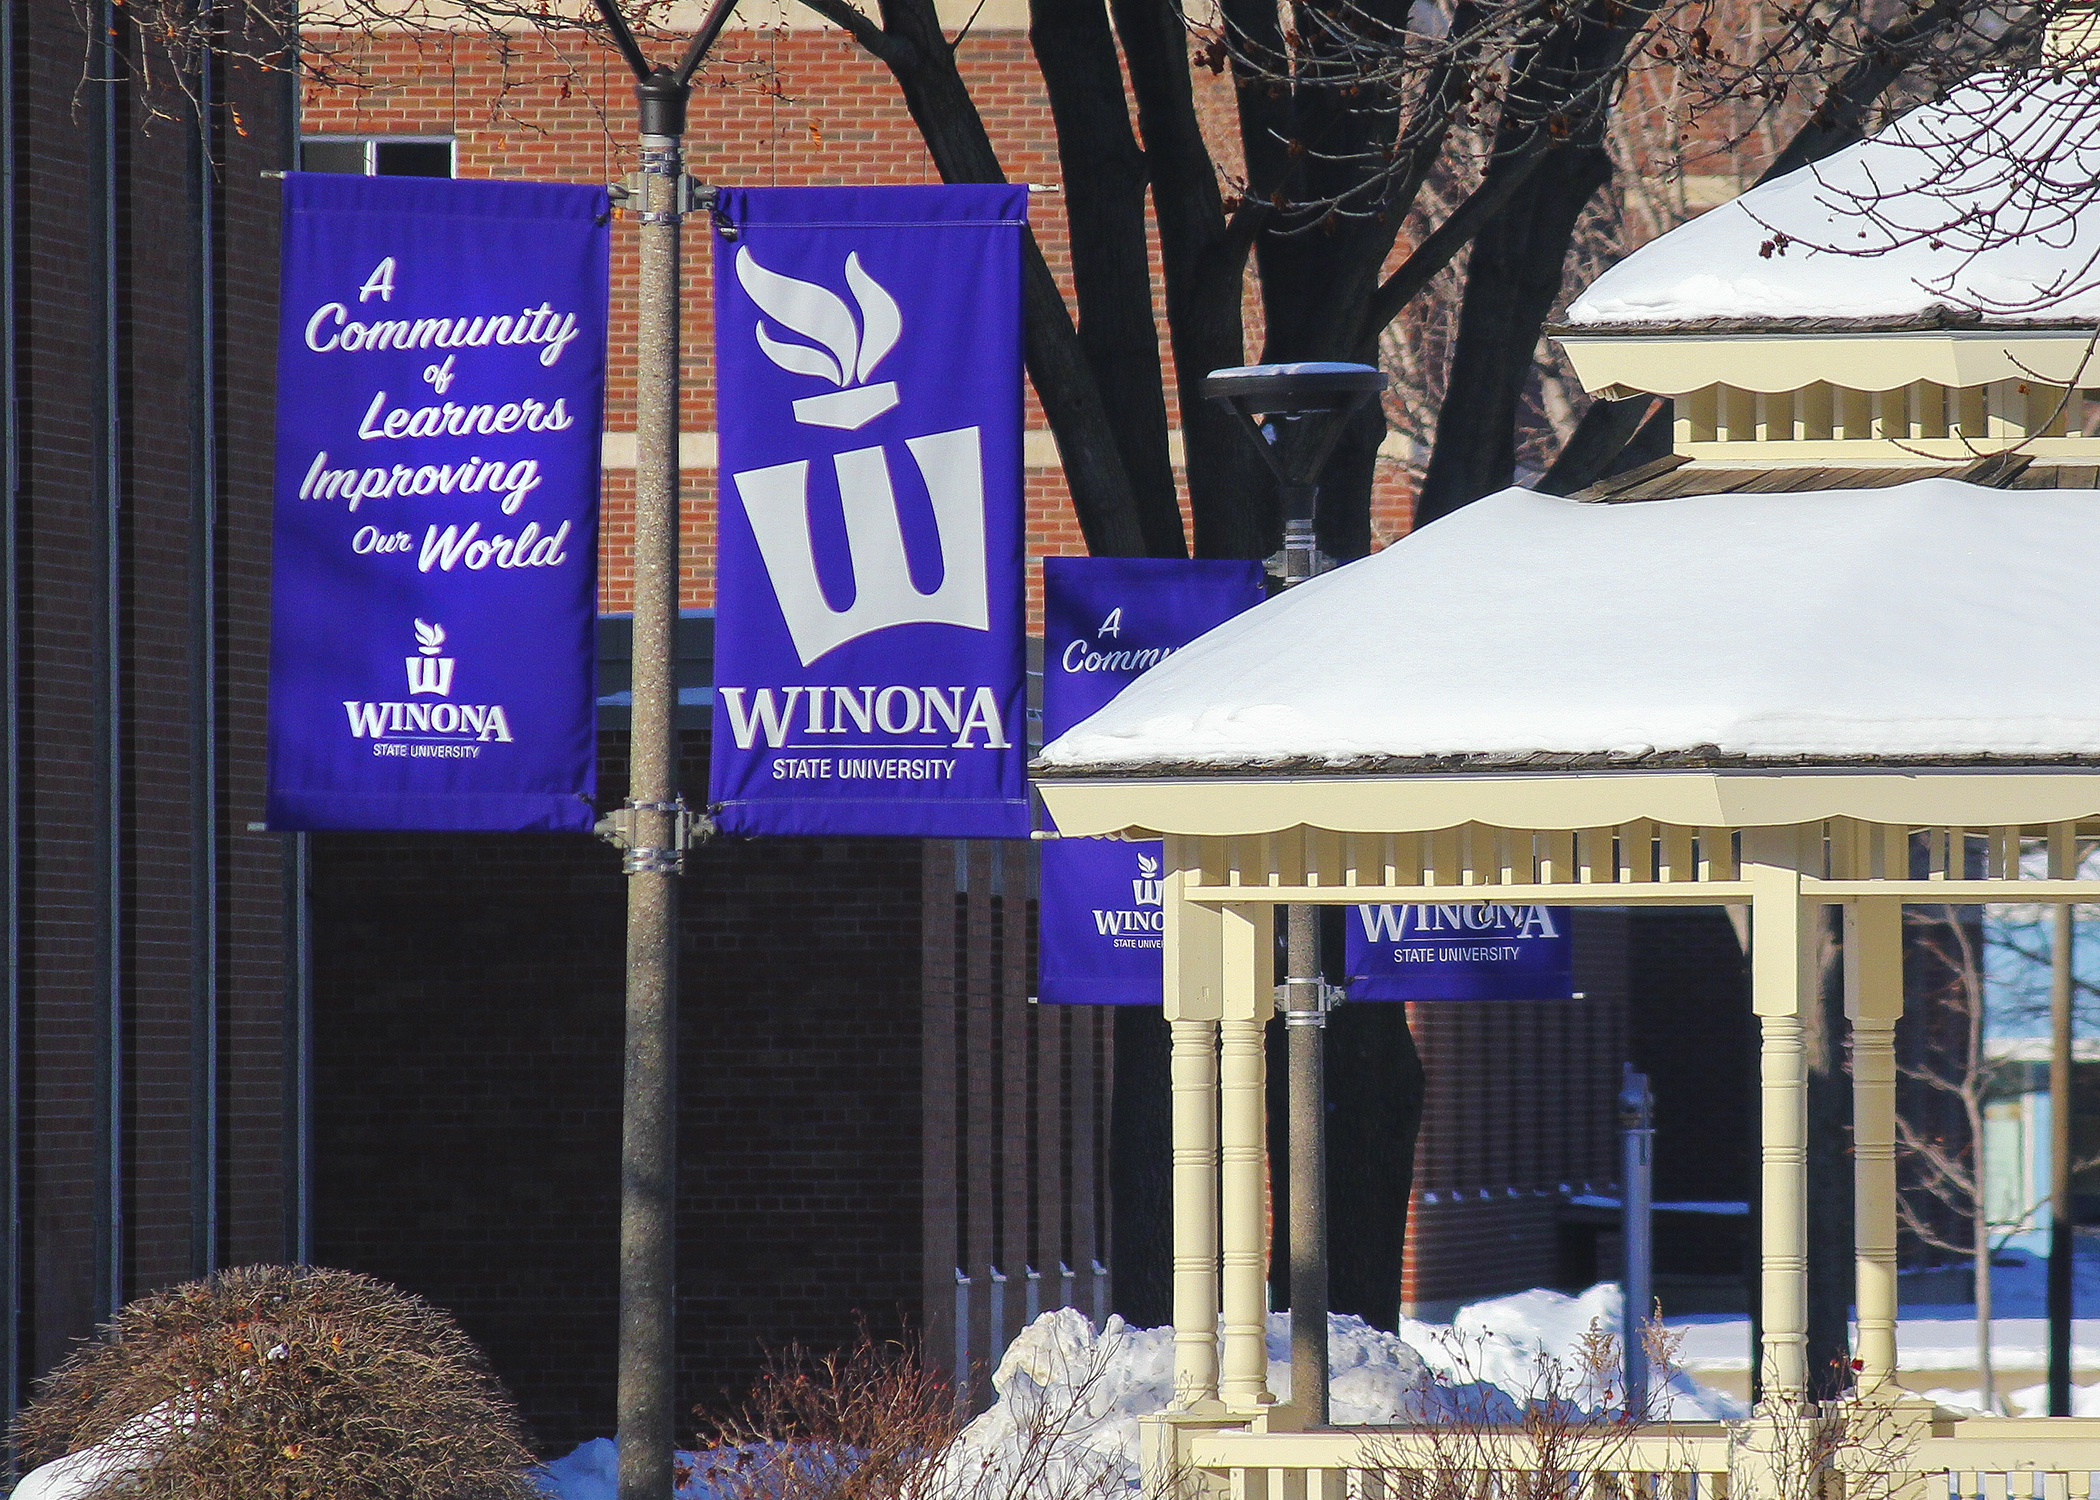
<point x="468" y="1042"/>
<point x="181" y="931"/>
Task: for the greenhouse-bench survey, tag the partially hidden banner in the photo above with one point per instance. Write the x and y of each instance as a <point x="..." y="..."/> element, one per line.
<point x="869" y="649"/>
<point x="1106" y="620"/>
<point x="1460" y="951"/>
<point x="440" y="399"/>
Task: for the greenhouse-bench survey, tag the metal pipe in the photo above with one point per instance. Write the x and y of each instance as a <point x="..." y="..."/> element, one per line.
<point x="105" y="650"/>
<point x="1636" y="1234"/>
<point x="1305" y="1022"/>
<point x="648" y="1147"/>
<point x="10" y="753"/>
<point x="204" y="671"/>
<point x="2060" y="1208"/>
<point x="299" y="1052"/>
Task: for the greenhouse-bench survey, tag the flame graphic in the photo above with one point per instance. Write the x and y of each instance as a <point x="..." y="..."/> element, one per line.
<point x="1147" y="866"/>
<point x="430" y="639"/>
<point x="844" y="352"/>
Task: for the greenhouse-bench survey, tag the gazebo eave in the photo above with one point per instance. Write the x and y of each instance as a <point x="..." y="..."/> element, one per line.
<point x="1242" y="802"/>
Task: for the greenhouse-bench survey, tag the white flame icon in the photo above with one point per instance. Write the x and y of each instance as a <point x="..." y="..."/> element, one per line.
<point x="842" y="351"/>
<point x="1147" y="865"/>
<point x="430" y="639"/>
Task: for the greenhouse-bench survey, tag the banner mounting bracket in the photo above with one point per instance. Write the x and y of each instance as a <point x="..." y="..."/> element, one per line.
<point x="687" y="828"/>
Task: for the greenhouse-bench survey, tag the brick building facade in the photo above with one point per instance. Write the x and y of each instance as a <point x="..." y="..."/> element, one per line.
<point x="152" y="1009"/>
<point x="401" y="1053"/>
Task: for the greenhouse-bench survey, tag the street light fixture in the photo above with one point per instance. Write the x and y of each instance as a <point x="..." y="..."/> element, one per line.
<point x="1306" y="407"/>
<point x="1312" y="402"/>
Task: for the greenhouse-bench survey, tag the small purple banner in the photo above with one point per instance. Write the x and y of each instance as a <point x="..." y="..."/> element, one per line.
<point x="1106" y="620"/>
<point x="440" y="398"/>
<point x="1460" y="951"/>
<point x="870" y="669"/>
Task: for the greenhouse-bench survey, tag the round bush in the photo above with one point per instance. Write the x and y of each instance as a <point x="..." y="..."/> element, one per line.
<point x="281" y="1383"/>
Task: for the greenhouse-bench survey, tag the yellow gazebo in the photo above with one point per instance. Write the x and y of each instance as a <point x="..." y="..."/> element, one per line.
<point x="1829" y="664"/>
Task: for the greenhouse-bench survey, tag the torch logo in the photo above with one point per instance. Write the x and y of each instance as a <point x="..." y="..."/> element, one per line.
<point x="776" y="499"/>
<point x="429" y="672"/>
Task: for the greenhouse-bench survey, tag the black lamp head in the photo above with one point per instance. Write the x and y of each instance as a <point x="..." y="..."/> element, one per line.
<point x="1296" y="389"/>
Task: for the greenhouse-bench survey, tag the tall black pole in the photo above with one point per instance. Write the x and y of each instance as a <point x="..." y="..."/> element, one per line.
<point x="1307" y="406"/>
<point x="2060" y="1213"/>
<point x="653" y="827"/>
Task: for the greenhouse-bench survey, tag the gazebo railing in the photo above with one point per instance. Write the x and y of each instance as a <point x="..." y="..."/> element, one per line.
<point x="1981" y="1458"/>
<point x="1645" y="861"/>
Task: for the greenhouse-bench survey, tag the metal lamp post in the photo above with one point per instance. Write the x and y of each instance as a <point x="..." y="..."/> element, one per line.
<point x="1636" y="1233"/>
<point x="654" y="827"/>
<point x="1307" y="406"/>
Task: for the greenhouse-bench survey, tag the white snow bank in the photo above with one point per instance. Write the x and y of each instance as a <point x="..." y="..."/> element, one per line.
<point x="1984" y="201"/>
<point x="1924" y="620"/>
<point x="1070" y="1396"/>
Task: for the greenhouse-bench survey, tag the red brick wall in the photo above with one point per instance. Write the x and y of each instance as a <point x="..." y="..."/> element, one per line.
<point x="801" y="107"/>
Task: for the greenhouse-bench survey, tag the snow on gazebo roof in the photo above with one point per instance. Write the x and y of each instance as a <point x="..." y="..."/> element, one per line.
<point x="1982" y="206"/>
<point x="1933" y="623"/>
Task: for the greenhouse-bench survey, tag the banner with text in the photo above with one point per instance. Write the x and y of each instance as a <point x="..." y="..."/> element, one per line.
<point x="869" y="649"/>
<point x="1106" y="620"/>
<point x="440" y="398"/>
<point x="1463" y="951"/>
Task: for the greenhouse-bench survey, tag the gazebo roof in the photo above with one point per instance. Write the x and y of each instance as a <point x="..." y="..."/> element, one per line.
<point x="1981" y="206"/>
<point x="1933" y="623"/>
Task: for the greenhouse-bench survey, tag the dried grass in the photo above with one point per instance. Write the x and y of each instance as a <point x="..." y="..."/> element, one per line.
<point x="283" y="1383"/>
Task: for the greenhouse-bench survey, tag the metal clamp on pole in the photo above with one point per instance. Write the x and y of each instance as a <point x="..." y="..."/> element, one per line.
<point x="1299" y="1011"/>
<point x="687" y="828"/>
<point x="689" y="196"/>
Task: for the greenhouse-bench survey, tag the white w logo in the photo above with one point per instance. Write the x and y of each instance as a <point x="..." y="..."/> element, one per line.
<point x="776" y="500"/>
<point x="430" y="674"/>
<point x="1384" y="924"/>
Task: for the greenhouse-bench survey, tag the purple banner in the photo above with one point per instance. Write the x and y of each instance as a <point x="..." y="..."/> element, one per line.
<point x="440" y="395"/>
<point x="869" y="649"/>
<point x="1460" y="951"/>
<point x="1106" y="620"/>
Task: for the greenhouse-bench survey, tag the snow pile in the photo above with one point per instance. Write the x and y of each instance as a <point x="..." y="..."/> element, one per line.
<point x="1762" y="626"/>
<point x="1070" y="1396"/>
<point x="1984" y="201"/>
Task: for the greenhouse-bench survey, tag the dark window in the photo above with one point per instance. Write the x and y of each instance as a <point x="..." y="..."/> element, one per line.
<point x="377" y="156"/>
<point x="412" y="158"/>
<point x="332" y="156"/>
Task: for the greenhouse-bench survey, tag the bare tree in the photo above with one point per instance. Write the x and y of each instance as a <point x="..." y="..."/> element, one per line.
<point x="1951" y="1202"/>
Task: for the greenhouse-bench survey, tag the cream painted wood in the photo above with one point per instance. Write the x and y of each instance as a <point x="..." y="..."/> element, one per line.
<point x="1246" y="804"/>
<point x="1193" y="1074"/>
<point x="1677" y="364"/>
<point x="1778" y="944"/>
<point x="1193" y="956"/>
<point x="1248" y="934"/>
<point x="1874" y="1003"/>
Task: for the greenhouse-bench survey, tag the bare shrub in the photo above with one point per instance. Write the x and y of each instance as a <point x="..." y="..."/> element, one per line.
<point x="856" y="1424"/>
<point x="276" y="1382"/>
<point x="870" y="1422"/>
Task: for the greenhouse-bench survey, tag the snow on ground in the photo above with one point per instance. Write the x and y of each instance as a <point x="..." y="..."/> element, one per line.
<point x="1089" y="1388"/>
<point x="1941" y="1336"/>
<point x="1808" y="642"/>
<point x="1928" y="213"/>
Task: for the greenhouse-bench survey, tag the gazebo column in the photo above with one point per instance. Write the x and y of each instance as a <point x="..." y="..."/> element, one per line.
<point x="1193" y="953"/>
<point x="1874" y="1003"/>
<point x="1249" y="1000"/>
<point x="1778" y="990"/>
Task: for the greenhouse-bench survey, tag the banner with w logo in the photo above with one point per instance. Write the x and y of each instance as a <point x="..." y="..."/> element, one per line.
<point x="869" y="666"/>
<point x="1468" y="950"/>
<point x="440" y="397"/>
<point x="1107" y="620"/>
